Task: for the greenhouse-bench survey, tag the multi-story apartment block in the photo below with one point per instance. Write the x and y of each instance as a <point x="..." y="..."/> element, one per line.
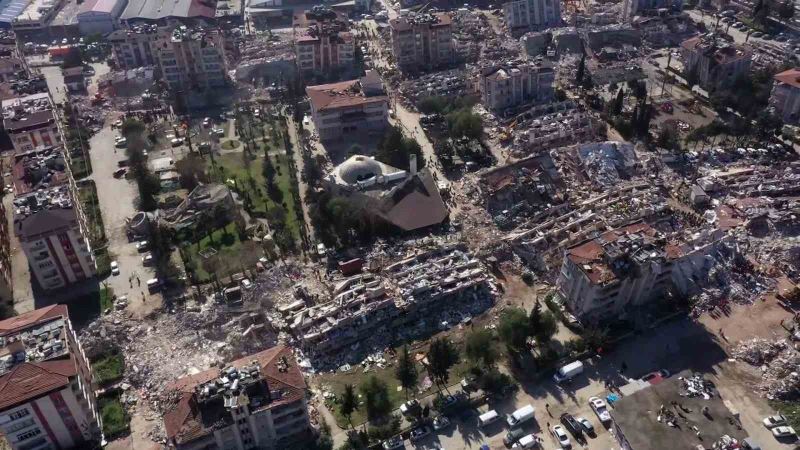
<point x="534" y="14"/>
<point x="10" y="69"/>
<point x="30" y="123"/>
<point x="601" y="279"/>
<point x="345" y="107"/>
<point x="186" y="58"/>
<point x="516" y="83"/>
<point x="47" y="398"/>
<point x="6" y="280"/>
<point x="632" y="8"/>
<point x="323" y="42"/>
<point x="36" y="16"/>
<point x="714" y="63"/>
<point x="785" y="96"/>
<point x="52" y="230"/>
<point x="422" y="41"/>
<point x="258" y="401"/>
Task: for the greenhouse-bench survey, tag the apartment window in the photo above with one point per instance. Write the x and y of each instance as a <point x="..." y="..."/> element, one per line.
<point x="45" y="264"/>
<point x="19" y="414"/>
<point x="28" y="434"/>
<point x="20" y="425"/>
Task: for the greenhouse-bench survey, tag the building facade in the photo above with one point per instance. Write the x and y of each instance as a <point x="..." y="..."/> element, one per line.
<point x="30" y="123"/>
<point x="533" y="14"/>
<point x="785" y="97"/>
<point x="713" y="63"/>
<point x="422" y="41"/>
<point x="344" y="107"/>
<point x="53" y="233"/>
<point x="323" y="42"/>
<point x="36" y="16"/>
<point x="100" y="16"/>
<point x="516" y="84"/>
<point x="602" y="278"/>
<point x="632" y="8"/>
<point x="258" y="401"/>
<point x="6" y="278"/>
<point x="47" y="395"/>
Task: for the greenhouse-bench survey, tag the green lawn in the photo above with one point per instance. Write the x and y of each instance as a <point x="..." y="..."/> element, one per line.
<point x="108" y="368"/>
<point x="87" y="192"/>
<point x="115" y="420"/>
<point x="230" y="145"/>
<point x="106" y="297"/>
<point x="250" y="180"/>
<point x="231" y="254"/>
<point x="789" y="409"/>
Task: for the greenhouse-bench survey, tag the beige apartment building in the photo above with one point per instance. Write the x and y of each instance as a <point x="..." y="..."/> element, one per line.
<point x="47" y="398"/>
<point x="516" y="83"/>
<point x="323" y="42"/>
<point x="713" y="63"/>
<point x="785" y="97"/>
<point x="347" y="107"/>
<point x="422" y="41"/>
<point x="534" y="14"/>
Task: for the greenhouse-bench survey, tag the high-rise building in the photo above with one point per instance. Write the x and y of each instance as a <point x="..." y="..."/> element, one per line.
<point x="422" y="41"/>
<point x="258" y="401"/>
<point x="632" y="8"/>
<point x="516" y="83"/>
<point x="534" y="14"/>
<point x="785" y="96"/>
<point x="323" y="41"/>
<point x="47" y="396"/>
<point x="53" y="233"/>
<point x="714" y="63"/>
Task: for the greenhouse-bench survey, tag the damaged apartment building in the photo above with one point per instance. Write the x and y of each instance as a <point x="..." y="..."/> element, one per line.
<point x="404" y="295"/>
<point x="543" y="127"/>
<point x="516" y="83"/>
<point x="605" y="277"/>
<point x="323" y="41"/>
<point x="422" y="41"/>
<point x="714" y="63"/>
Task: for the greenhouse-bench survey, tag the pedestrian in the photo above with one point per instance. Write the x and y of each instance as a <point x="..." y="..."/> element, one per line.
<point x="547" y="407"/>
<point x="548" y="425"/>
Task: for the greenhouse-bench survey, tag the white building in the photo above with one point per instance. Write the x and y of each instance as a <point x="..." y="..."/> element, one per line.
<point x="258" y="401"/>
<point x="52" y="231"/>
<point x="422" y="41"/>
<point x="534" y="14"/>
<point x="785" y="96"/>
<point x="99" y="16"/>
<point x="37" y="15"/>
<point x="47" y="398"/>
<point x="516" y="83"/>
<point x="341" y="108"/>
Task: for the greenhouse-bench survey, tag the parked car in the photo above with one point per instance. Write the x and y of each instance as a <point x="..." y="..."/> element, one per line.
<point x="783" y="431"/>
<point x="513" y="436"/>
<point x="440" y="423"/>
<point x="527" y="441"/>
<point x="142" y="246"/>
<point x="561" y="436"/>
<point x="409" y="407"/>
<point x="321" y="249"/>
<point x="247" y="284"/>
<point x="120" y="142"/>
<point x="419" y="433"/>
<point x="600" y="409"/>
<point x="176" y="142"/>
<point x="147" y="259"/>
<point x="656" y="376"/>
<point x="119" y="173"/>
<point x="114" y="268"/>
<point x="393" y="443"/>
<point x="587" y="426"/>
<point x="446" y="401"/>
<point x="774" y="421"/>
<point x="572" y="425"/>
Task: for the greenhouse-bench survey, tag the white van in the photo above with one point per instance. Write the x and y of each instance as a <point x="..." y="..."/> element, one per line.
<point x="527" y="441"/>
<point x="153" y="284"/>
<point x="568" y="372"/>
<point x="520" y="416"/>
<point x="487" y="418"/>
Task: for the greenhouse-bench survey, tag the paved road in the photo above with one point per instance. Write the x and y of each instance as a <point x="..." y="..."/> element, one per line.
<point x="116" y="203"/>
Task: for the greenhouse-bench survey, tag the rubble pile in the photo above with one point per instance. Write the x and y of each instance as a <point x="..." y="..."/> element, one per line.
<point x="697" y="386"/>
<point x="778" y="362"/>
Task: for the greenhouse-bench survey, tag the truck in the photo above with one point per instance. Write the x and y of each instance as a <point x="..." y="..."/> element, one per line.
<point x="568" y="372"/>
<point x="520" y="416"/>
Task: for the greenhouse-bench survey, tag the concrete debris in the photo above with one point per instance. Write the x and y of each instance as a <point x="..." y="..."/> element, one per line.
<point x="778" y="362"/>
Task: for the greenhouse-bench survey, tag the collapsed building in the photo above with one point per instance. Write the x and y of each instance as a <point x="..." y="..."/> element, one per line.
<point x="449" y="84"/>
<point x="206" y="203"/>
<point x="606" y="277"/>
<point x="607" y="163"/>
<point x="548" y="126"/>
<point x="408" y="292"/>
<point x="38" y="169"/>
<point x="408" y="200"/>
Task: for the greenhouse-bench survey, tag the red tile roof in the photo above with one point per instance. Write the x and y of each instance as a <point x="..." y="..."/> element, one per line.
<point x="28" y="381"/>
<point x="30" y="318"/>
<point x="183" y="422"/>
<point x="339" y="95"/>
<point x="790" y="77"/>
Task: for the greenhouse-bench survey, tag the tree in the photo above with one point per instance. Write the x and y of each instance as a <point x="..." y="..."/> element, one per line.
<point x="618" y="102"/>
<point x="513" y="329"/>
<point x="405" y="371"/>
<point x="376" y="398"/>
<point x="465" y="123"/>
<point x="480" y="348"/>
<point x="546" y="329"/>
<point x="581" y="71"/>
<point x="191" y="171"/>
<point x="442" y="356"/>
<point x="395" y="149"/>
<point x="348" y="404"/>
<point x="268" y="170"/>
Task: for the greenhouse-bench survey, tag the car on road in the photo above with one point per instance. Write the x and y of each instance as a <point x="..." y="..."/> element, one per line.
<point x="572" y="425"/>
<point x="599" y="408"/>
<point x="586" y="425"/>
<point x="120" y="142"/>
<point x="321" y="249"/>
<point x="393" y="443"/>
<point x="561" y="436"/>
<point x="218" y="132"/>
<point x="757" y="34"/>
<point x="142" y="246"/>
<point x="119" y="173"/>
<point x="653" y="376"/>
<point x="176" y="142"/>
<point x="114" y="268"/>
<point x="774" y="421"/>
<point x="446" y="401"/>
<point x="409" y="407"/>
<point x="783" y="431"/>
<point x="147" y="259"/>
<point x="419" y="433"/>
<point x="513" y="436"/>
<point x="440" y="423"/>
<point x="207" y="122"/>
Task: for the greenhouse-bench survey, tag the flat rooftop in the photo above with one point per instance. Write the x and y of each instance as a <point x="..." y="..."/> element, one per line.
<point x="10" y="9"/>
<point x="636" y="416"/>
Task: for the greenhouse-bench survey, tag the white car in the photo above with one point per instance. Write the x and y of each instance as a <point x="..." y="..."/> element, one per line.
<point x="774" y="421"/>
<point x="114" y="268"/>
<point x="121" y="142"/>
<point x="176" y="142"/>
<point x="321" y="249"/>
<point x="779" y="432"/>
<point x="247" y="284"/>
<point x="600" y="409"/>
<point x="561" y="436"/>
<point x="393" y="444"/>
